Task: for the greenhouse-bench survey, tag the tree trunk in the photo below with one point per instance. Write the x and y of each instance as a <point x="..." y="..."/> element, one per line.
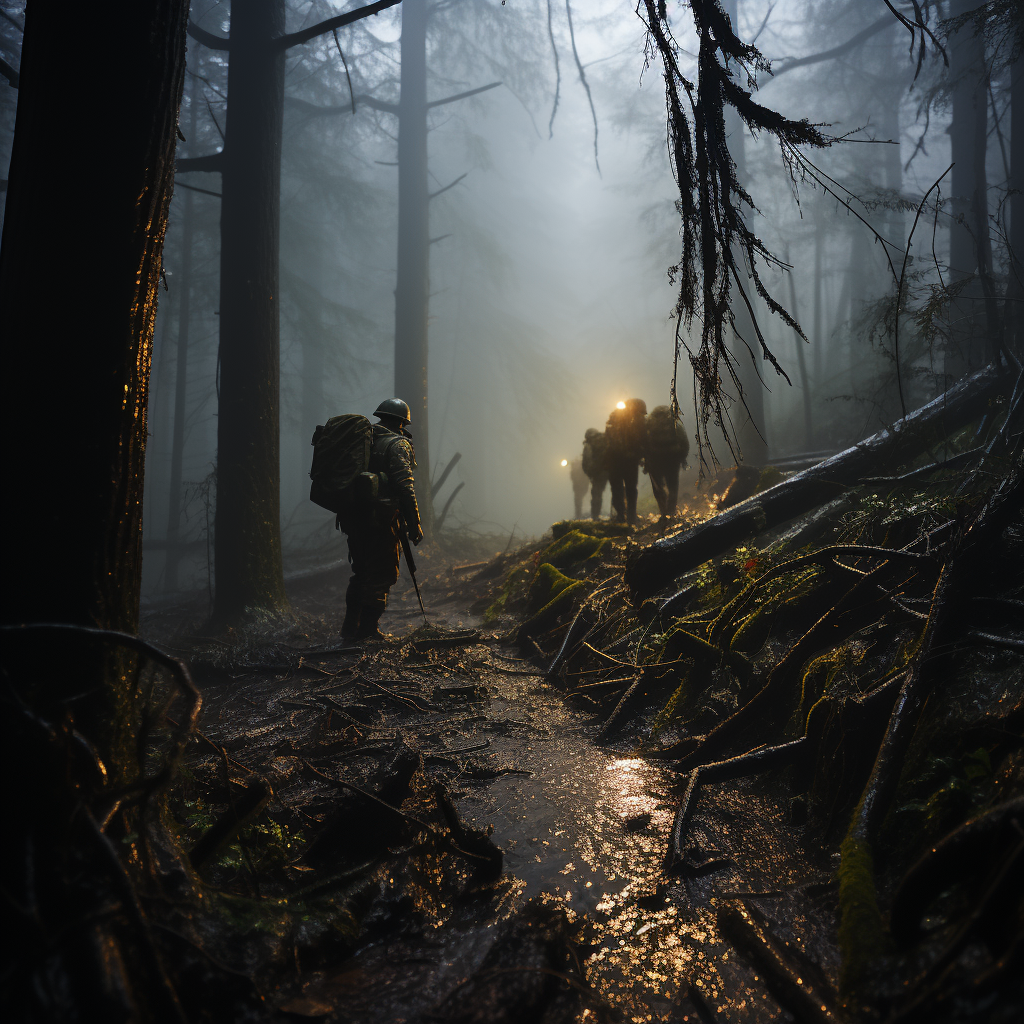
<point x="80" y="334"/>
<point x="412" y="288"/>
<point x="247" y="533"/>
<point x="181" y="375"/>
<point x="665" y="560"/>
<point x="79" y="274"/>
<point x="751" y="432"/>
<point x="1014" y="318"/>
<point x="968" y="134"/>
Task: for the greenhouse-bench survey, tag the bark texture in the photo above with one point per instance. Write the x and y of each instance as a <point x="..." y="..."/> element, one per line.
<point x="247" y="539"/>
<point x="78" y="287"/>
<point x="412" y="288"/>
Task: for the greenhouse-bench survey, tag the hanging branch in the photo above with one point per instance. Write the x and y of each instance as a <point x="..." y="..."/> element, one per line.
<point x="348" y="77"/>
<point x="583" y="79"/>
<point x="715" y="235"/>
<point x="558" y="76"/>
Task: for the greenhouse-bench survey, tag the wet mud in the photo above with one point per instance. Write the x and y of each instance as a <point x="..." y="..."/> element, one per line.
<point x="581" y="828"/>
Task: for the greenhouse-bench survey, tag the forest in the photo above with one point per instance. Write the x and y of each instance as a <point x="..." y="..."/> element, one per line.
<point x="319" y="718"/>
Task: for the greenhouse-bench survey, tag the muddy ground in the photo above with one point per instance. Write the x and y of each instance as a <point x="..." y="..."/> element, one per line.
<point x="328" y="905"/>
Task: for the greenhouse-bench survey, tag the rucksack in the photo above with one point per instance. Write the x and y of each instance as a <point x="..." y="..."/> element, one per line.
<point x="341" y="451"/>
<point x="661" y="430"/>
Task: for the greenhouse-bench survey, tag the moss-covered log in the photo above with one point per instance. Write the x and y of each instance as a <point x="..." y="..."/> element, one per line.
<point x="665" y="560"/>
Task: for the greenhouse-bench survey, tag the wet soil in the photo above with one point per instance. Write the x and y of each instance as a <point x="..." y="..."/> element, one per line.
<point x="582" y="827"/>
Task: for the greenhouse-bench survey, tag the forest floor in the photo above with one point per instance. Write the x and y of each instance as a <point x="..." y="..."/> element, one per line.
<point x="370" y="886"/>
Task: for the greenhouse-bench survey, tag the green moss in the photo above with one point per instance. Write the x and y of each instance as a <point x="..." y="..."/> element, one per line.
<point x="591" y="527"/>
<point x="514" y="590"/>
<point x="551" y="594"/>
<point x="862" y="935"/>
<point x="770" y="476"/>
<point x="572" y="548"/>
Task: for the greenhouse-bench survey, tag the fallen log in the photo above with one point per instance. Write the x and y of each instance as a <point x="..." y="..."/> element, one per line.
<point x="665" y="560"/>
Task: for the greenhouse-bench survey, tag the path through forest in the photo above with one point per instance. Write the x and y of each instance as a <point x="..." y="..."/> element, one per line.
<point x="582" y="827"/>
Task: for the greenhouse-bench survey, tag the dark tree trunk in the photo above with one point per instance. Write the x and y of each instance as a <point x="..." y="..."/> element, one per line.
<point x="412" y="288"/>
<point x="79" y="275"/>
<point x="968" y="134"/>
<point x="79" y="333"/>
<point x="1015" y="290"/>
<point x="247" y="533"/>
<point x="184" y="283"/>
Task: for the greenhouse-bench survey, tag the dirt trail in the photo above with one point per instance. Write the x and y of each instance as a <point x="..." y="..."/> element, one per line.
<point x="580" y="826"/>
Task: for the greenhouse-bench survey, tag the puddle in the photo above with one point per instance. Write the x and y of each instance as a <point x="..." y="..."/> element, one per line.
<point x="588" y="827"/>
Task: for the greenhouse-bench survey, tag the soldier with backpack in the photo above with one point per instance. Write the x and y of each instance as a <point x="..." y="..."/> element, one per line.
<point x="595" y="465"/>
<point x="667" y="449"/>
<point x="626" y="434"/>
<point x="363" y="473"/>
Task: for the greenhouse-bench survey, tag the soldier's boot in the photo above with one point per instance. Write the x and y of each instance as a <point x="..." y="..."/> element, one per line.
<point x="353" y="609"/>
<point x="370" y="614"/>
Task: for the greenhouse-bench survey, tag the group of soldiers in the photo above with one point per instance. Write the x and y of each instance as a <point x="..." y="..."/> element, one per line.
<point x="614" y="456"/>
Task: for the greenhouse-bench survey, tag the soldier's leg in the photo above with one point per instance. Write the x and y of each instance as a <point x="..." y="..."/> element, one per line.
<point x="597" y="495"/>
<point x="357" y="558"/>
<point x="656" y="472"/>
<point x="673" y="487"/>
<point x="631" y="475"/>
<point x="618" y="484"/>
<point x="381" y="575"/>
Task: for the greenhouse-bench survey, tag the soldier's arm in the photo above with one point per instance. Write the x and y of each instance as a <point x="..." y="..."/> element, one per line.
<point x="400" y="463"/>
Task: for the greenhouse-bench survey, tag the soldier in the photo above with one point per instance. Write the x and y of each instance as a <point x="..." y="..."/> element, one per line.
<point x="579" y="485"/>
<point x="627" y="438"/>
<point x="667" y="448"/>
<point x="595" y="465"/>
<point x="374" y="522"/>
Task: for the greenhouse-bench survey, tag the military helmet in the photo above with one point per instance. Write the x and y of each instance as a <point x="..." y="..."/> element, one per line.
<point x="591" y="433"/>
<point x="395" y="408"/>
<point x="636" y="406"/>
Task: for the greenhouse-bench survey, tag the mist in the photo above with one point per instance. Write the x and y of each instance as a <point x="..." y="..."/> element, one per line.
<point x="550" y="298"/>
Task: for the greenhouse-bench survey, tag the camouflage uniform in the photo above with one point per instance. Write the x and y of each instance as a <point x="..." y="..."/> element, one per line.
<point x="627" y="439"/>
<point x="667" y="448"/>
<point x="373" y="530"/>
<point x="595" y="465"/>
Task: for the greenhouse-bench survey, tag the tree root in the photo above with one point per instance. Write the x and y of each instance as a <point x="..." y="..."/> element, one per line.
<point x="809" y="1003"/>
<point x="751" y="763"/>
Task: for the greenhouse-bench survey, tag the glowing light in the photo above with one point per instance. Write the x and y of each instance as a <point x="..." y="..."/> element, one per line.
<point x="565" y="462"/>
<point x="620" y="405"/>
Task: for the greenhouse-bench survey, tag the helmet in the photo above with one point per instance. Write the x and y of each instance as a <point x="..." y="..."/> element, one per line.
<point x="591" y="434"/>
<point x="636" y="406"/>
<point x="395" y="408"/>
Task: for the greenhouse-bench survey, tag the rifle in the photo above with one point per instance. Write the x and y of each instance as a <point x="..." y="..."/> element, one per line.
<point x="403" y="536"/>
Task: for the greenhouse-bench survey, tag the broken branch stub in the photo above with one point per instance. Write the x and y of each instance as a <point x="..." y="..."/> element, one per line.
<point x="665" y="560"/>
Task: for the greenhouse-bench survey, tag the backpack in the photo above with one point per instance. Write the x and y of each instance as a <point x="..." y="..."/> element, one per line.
<point x="661" y="430"/>
<point x="341" y="451"/>
<point x="595" y="451"/>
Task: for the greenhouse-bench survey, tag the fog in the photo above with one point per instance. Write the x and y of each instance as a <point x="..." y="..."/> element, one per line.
<point x="550" y="298"/>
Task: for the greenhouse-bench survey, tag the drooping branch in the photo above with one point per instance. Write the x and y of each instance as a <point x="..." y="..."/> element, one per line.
<point x="208" y="39"/>
<point x="719" y="251"/>
<point x="434" y="195"/>
<point x="345" y="108"/>
<point x="463" y="95"/>
<point x="558" y="76"/>
<point x="338" y="21"/>
<point x="836" y="51"/>
<point x="583" y="79"/>
<point x="211" y="162"/>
